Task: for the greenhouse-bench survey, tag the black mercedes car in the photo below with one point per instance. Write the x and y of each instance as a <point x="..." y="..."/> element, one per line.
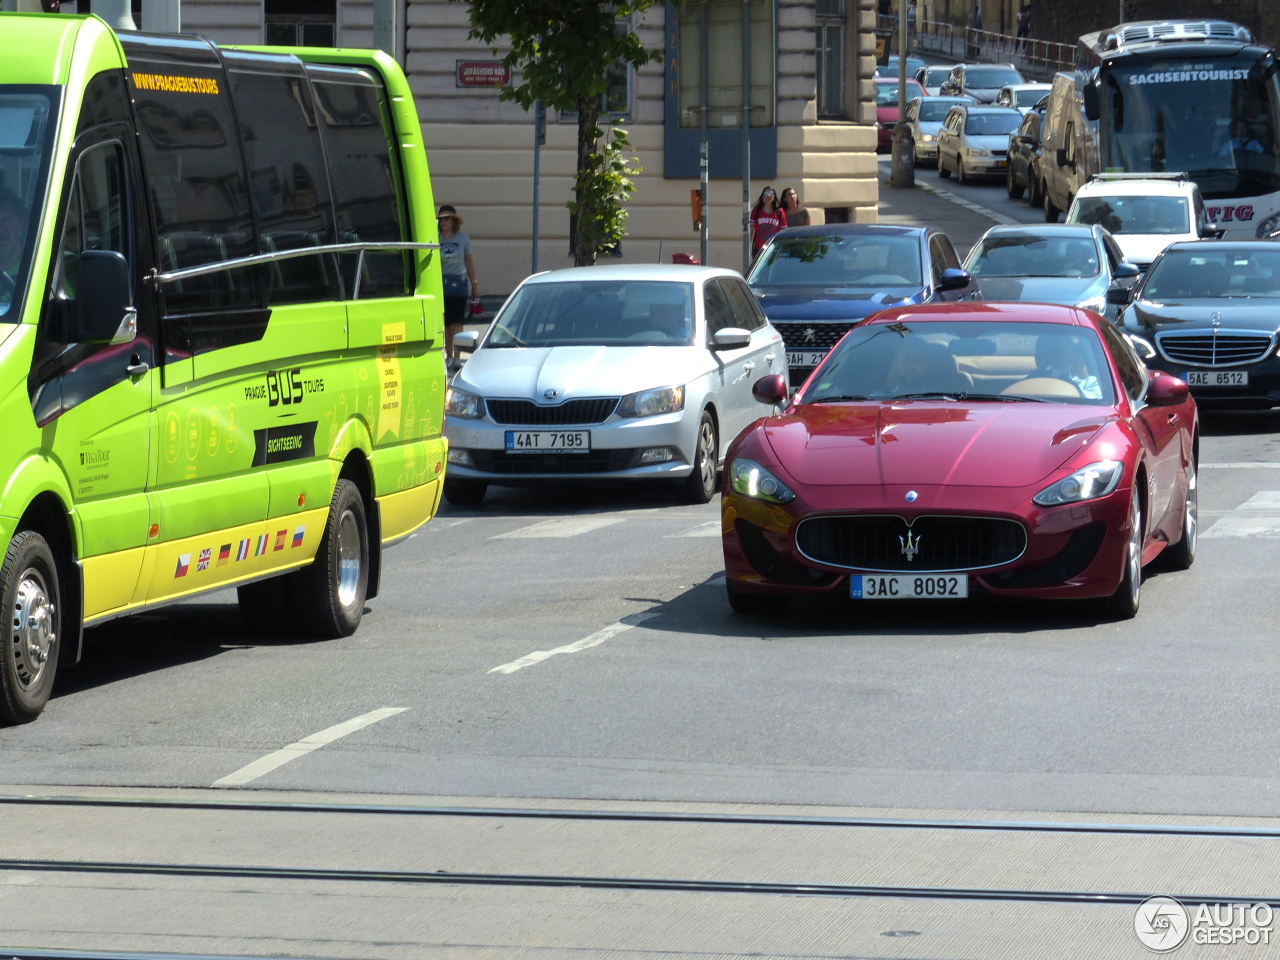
<point x="816" y="282"/>
<point x="1208" y="311"/>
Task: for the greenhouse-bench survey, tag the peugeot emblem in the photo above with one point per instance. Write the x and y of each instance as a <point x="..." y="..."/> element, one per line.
<point x="810" y="335"/>
<point x="912" y="496"/>
<point x="910" y="545"/>
<point x="550" y="394"/>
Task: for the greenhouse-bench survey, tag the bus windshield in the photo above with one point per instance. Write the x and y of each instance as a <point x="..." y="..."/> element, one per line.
<point x="1215" y="121"/>
<point x="25" y="135"/>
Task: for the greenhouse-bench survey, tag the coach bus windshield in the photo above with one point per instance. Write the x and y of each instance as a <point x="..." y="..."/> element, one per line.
<point x="24" y="150"/>
<point x="1215" y="120"/>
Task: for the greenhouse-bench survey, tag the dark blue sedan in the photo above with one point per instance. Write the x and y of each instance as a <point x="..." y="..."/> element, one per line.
<point x="816" y="282"/>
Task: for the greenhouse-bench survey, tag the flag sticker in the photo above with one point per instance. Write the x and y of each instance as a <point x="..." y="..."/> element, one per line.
<point x="280" y="535"/>
<point x="298" y="534"/>
<point x="202" y="561"/>
<point x="184" y="564"/>
<point x="224" y="554"/>
<point x="261" y="548"/>
<point x="242" y="551"/>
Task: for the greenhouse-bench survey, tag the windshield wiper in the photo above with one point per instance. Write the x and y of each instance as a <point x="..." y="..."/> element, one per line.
<point x="848" y="398"/>
<point x="1003" y="398"/>
<point x="926" y="395"/>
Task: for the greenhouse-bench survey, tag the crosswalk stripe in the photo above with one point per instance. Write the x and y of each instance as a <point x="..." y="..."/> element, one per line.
<point x="1259" y="516"/>
<point x="558" y="528"/>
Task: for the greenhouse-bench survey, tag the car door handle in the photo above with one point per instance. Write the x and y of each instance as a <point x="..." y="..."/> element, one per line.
<point x="748" y="366"/>
<point x="1173" y="418"/>
<point x="769" y="358"/>
<point x="137" y="367"/>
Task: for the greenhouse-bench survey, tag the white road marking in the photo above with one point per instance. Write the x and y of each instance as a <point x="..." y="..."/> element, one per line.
<point x="1247" y="465"/>
<point x="597" y="638"/>
<point x="294" y="750"/>
<point x="558" y="528"/>
<point x="1262" y="500"/>
<point x="709" y="529"/>
<point x="1259" y="516"/>
<point x="967" y="204"/>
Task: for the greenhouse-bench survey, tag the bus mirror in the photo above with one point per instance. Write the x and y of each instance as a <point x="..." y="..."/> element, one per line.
<point x="104" y="311"/>
<point x="1090" y="96"/>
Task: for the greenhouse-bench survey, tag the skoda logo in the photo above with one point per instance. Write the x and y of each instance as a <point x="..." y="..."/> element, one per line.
<point x="550" y="394"/>
<point x="912" y="496"/>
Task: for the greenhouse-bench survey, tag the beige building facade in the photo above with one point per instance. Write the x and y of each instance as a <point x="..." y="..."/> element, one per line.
<point x="813" y="119"/>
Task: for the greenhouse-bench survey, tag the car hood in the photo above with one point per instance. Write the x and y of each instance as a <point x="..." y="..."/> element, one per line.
<point x="1142" y="248"/>
<point x="1068" y="290"/>
<point x="922" y="443"/>
<point x="983" y="94"/>
<point x="528" y="372"/>
<point x="1236" y="314"/>
<point x="887" y="114"/>
<point x="994" y="142"/>
<point x="929" y="126"/>
<point x="831" y="303"/>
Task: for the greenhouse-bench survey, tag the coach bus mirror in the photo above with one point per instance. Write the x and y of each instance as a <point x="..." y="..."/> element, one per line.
<point x="104" y="313"/>
<point x="954" y="279"/>
<point x="1090" y="95"/>
<point x="771" y="390"/>
<point x="466" y="340"/>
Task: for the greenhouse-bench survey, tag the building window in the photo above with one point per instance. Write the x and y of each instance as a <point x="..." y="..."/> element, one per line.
<point x="615" y="102"/>
<point x="301" y="23"/>
<point x="830" y="57"/>
<point x="724" y="88"/>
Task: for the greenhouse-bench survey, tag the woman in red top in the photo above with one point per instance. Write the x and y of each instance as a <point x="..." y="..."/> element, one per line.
<point x="767" y="218"/>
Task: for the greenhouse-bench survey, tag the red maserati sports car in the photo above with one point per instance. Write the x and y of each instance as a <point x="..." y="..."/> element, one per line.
<point x="942" y="450"/>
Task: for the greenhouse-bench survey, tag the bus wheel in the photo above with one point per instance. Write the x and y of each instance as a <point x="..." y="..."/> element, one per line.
<point x="1051" y="210"/>
<point x="33" y="598"/>
<point x="328" y="596"/>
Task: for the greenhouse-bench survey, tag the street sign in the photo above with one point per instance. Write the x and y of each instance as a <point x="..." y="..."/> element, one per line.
<point x="481" y="73"/>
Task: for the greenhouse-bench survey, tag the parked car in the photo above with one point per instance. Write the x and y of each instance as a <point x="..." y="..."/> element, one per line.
<point x="887" y="108"/>
<point x="639" y="372"/>
<point x="1144" y="212"/>
<point x="974" y="141"/>
<point x="932" y="76"/>
<point x="1017" y="450"/>
<point x="1209" y="313"/>
<point x="816" y="282"/>
<point x="1024" y="172"/>
<point x="982" y="81"/>
<point x="1051" y="263"/>
<point x="890" y="67"/>
<point x="923" y="117"/>
<point x="1022" y="96"/>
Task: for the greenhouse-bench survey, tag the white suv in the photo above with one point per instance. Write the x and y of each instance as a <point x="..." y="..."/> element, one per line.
<point x="1145" y="212"/>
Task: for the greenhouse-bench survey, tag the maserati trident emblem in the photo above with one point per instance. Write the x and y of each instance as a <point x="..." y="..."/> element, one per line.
<point x="550" y="394"/>
<point x="810" y="335"/>
<point x="912" y="496"/>
<point x="910" y="545"/>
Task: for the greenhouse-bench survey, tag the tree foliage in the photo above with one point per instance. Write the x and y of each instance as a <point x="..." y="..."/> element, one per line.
<point x="560" y="50"/>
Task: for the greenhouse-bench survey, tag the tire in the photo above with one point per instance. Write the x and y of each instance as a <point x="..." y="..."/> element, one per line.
<point x="700" y="486"/>
<point x="1012" y="186"/>
<point x="1182" y="554"/>
<point x="961" y="177"/>
<point x="326" y="598"/>
<point x="32" y="592"/>
<point x="1036" y="197"/>
<point x="465" y="493"/>
<point x="943" y="172"/>
<point x="1123" y="604"/>
<point x="1051" y="212"/>
<point x="753" y="605"/>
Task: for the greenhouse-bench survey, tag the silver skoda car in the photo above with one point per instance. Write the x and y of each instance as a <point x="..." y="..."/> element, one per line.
<point x="639" y="372"/>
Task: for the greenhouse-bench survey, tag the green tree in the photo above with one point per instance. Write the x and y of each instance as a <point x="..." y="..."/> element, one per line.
<point x="560" y="50"/>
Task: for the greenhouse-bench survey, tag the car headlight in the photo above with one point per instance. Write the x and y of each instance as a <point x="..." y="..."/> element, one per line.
<point x="1268" y="226"/>
<point x="927" y="138"/>
<point x="652" y="403"/>
<point x="975" y="152"/>
<point x="1096" y="304"/>
<point x="1087" y="483"/>
<point x="459" y="403"/>
<point x="752" y="480"/>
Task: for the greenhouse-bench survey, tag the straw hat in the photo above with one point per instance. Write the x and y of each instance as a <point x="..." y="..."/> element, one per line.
<point x="446" y="210"/>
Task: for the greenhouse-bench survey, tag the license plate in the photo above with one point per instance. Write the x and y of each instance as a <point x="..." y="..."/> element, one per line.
<point x="805" y="358"/>
<point x="1217" y="378"/>
<point x="548" y="441"/>
<point x="1000" y="163"/>
<point x="911" y="587"/>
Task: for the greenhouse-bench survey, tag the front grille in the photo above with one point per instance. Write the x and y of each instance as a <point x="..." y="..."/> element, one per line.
<point x="811" y="336"/>
<point x="942" y="543"/>
<point x="527" y="413"/>
<point x="999" y="153"/>
<point x="512" y="464"/>
<point x="1215" y="348"/>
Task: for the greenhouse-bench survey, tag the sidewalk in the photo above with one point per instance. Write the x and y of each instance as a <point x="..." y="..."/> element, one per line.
<point x="930" y="204"/>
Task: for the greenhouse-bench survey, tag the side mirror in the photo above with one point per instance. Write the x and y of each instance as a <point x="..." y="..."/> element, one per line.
<point x="954" y="279"/>
<point x="1060" y="156"/>
<point x="1211" y="231"/>
<point x="466" y="340"/>
<point x="1089" y="93"/>
<point x="1119" y="296"/>
<point x="1125" y="269"/>
<point x="1166" y="390"/>
<point x="771" y="390"/>
<point x="730" y="338"/>
<point x="104" y="304"/>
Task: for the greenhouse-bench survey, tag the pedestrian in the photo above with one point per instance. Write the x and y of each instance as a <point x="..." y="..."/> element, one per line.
<point x="767" y="219"/>
<point x="911" y="22"/>
<point x="797" y="216"/>
<point x="1024" y="26"/>
<point x="459" y="272"/>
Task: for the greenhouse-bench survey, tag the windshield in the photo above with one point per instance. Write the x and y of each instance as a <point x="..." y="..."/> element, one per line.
<point x="608" y="313"/>
<point x="935" y="75"/>
<point x="1168" y="216"/>
<point x="887" y="93"/>
<point x="1215" y="121"/>
<point x="1022" y="361"/>
<point x="982" y="78"/>
<point x="24" y="154"/>
<point x="840" y="260"/>
<point x="991" y="124"/>
<point x="1027" y="255"/>
<point x="1196" y="275"/>
<point x="1029" y="98"/>
<point x="935" y="111"/>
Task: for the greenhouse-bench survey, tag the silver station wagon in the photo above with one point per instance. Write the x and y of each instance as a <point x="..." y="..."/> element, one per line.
<point x="640" y="372"/>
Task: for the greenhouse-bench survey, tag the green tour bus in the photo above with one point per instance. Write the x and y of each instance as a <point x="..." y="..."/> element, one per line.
<point x="220" y="333"/>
